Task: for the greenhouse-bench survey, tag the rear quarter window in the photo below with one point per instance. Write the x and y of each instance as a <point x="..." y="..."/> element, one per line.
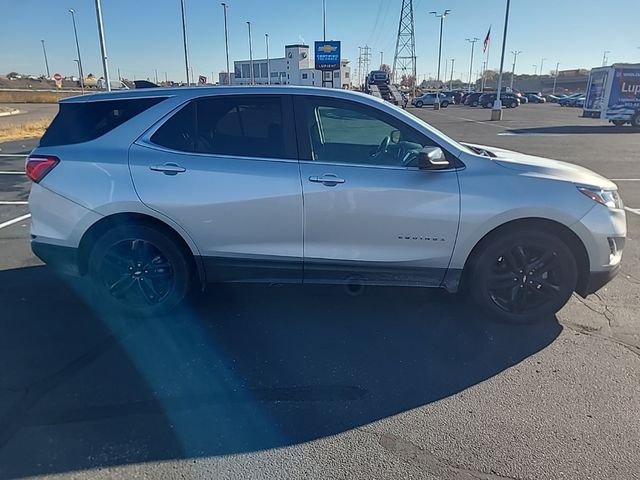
<point x="81" y="122"/>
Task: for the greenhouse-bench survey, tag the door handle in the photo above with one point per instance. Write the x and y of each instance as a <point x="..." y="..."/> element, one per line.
<point x="168" y="168"/>
<point x="328" y="179"/>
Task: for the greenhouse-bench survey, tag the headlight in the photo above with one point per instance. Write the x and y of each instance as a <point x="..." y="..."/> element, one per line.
<point x="608" y="198"/>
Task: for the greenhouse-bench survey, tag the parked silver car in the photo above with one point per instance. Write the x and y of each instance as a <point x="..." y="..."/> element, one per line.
<point x="153" y="192"/>
<point x="429" y="99"/>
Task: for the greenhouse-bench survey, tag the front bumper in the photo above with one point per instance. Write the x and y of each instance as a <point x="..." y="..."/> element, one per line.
<point x="61" y="259"/>
<point x="597" y="280"/>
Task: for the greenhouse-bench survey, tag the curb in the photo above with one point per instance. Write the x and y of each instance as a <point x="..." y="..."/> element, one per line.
<point x="12" y="112"/>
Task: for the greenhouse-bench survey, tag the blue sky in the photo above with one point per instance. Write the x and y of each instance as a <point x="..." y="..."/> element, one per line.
<point x="143" y="35"/>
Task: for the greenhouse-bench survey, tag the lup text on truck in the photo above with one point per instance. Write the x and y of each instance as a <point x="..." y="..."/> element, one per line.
<point x="613" y="93"/>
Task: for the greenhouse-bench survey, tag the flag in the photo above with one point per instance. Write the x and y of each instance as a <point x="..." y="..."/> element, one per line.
<point x="487" y="39"/>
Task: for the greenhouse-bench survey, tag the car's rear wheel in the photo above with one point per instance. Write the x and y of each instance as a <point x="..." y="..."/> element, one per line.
<point x="419" y="104"/>
<point x="619" y="123"/>
<point x="635" y="121"/>
<point x="474" y="104"/>
<point x="522" y="276"/>
<point x="444" y="104"/>
<point x="139" y="270"/>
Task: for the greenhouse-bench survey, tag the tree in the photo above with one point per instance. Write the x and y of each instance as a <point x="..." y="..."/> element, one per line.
<point x="386" y="68"/>
<point x="408" y="81"/>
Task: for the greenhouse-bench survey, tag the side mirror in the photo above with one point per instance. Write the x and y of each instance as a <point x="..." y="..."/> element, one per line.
<point x="432" y="157"/>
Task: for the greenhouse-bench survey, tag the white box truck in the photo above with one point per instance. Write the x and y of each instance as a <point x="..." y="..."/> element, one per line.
<point x="613" y="93"/>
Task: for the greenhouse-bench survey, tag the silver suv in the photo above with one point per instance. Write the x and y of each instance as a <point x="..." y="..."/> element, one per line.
<point x="152" y="193"/>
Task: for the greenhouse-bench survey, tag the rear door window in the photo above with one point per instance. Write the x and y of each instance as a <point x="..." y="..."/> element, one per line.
<point x="81" y="122"/>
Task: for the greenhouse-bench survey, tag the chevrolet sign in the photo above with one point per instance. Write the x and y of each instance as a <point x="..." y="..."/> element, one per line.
<point x="327" y="55"/>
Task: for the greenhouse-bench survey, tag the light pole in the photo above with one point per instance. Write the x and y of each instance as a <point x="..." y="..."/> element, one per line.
<point x="103" y="47"/>
<point x="266" y="39"/>
<point x="80" y="73"/>
<point x="252" y="77"/>
<point x="513" y="69"/>
<point x="541" y="63"/>
<point x="226" y="41"/>
<point x="156" y="75"/>
<point x="473" y="44"/>
<point x="381" y="59"/>
<point x="441" y="17"/>
<point x="535" y="70"/>
<point x="555" y="79"/>
<point x="75" y="32"/>
<point x="496" y="112"/>
<point x="46" y="61"/>
<point x="324" y="20"/>
<point x="604" y="57"/>
<point x="446" y="67"/>
<point x="185" y="41"/>
<point x="453" y="60"/>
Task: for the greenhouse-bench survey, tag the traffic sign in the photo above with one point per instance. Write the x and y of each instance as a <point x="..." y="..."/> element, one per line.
<point x="57" y="77"/>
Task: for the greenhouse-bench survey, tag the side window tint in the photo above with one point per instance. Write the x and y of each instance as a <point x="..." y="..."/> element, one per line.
<point x="178" y="133"/>
<point x="248" y="126"/>
<point x="345" y="132"/>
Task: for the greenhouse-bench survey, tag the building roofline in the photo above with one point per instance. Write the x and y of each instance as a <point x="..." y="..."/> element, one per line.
<point x="299" y="45"/>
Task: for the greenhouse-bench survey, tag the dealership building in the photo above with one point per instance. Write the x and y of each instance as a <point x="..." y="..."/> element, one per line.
<point x="295" y="68"/>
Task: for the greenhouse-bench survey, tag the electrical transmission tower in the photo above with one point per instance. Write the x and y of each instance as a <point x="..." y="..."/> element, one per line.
<point x="404" y="61"/>
<point x="366" y="59"/>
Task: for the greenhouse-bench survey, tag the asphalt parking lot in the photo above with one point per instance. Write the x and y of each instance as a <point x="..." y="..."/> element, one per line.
<point x="292" y="382"/>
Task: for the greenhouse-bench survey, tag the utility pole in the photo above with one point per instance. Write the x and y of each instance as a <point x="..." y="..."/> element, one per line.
<point x="226" y="40"/>
<point x="324" y="20"/>
<point x="156" y="72"/>
<point x="381" y="59"/>
<point x="604" y="57"/>
<point x="541" y="63"/>
<point x="366" y="58"/>
<point x="360" y="67"/>
<point x="119" y="76"/>
<point x="266" y="39"/>
<point x="46" y="61"/>
<point x="75" y="32"/>
<point x="404" y="59"/>
<point x="472" y="41"/>
<point x="482" y="75"/>
<point x="166" y="79"/>
<point x="451" y="79"/>
<point x="513" y="69"/>
<point x="252" y="77"/>
<point x="446" y="69"/>
<point x="555" y="78"/>
<point x="185" y="42"/>
<point x="535" y="70"/>
<point x="496" y="112"/>
<point x="103" y="47"/>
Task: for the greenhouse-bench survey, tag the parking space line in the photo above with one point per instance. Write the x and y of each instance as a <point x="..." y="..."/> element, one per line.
<point x="15" y="220"/>
<point x="626" y="179"/>
<point x="633" y="210"/>
<point x="12" y="173"/>
<point x="17" y="202"/>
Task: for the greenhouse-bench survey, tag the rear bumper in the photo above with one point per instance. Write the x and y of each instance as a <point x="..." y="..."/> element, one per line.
<point x="62" y="259"/>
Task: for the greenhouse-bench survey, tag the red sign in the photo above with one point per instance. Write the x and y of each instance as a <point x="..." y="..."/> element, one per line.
<point x="57" y="77"/>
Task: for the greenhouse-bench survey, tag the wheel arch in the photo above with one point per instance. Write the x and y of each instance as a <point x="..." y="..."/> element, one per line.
<point x="104" y="224"/>
<point x="564" y="233"/>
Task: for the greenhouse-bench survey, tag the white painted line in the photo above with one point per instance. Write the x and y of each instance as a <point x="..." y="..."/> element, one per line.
<point x="19" y="155"/>
<point x="633" y="210"/>
<point x="17" y="202"/>
<point x="12" y="173"/>
<point x="15" y="220"/>
<point x="626" y="179"/>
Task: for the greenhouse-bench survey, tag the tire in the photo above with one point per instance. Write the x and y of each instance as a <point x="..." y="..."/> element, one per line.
<point x="474" y="103"/>
<point x="522" y="276"/>
<point x="419" y="104"/>
<point x="619" y="123"/>
<point x="139" y="270"/>
<point x="635" y="121"/>
<point x="486" y="105"/>
<point x="444" y="104"/>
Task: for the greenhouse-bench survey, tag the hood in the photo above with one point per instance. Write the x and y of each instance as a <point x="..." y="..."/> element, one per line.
<point x="544" y="167"/>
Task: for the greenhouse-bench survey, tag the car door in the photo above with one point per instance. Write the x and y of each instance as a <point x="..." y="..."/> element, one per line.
<point x="225" y="169"/>
<point x="370" y="214"/>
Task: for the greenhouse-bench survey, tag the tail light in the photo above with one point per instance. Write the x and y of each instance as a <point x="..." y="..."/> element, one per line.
<point x="39" y="165"/>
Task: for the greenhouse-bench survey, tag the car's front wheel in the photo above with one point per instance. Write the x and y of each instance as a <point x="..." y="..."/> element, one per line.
<point x="444" y="104"/>
<point x="522" y="276"/>
<point x="635" y="121"/>
<point x="419" y="104"/>
<point x="139" y="270"/>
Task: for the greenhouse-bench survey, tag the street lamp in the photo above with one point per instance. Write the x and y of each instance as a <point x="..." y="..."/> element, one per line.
<point x="513" y="69"/>
<point x="441" y="17"/>
<point x="185" y="41"/>
<point x="496" y="112"/>
<point x="453" y="60"/>
<point x="252" y="77"/>
<point x="266" y="39"/>
<point x="535" y="70"/>
<point x="79" y="60"/>
<point x="103" y="47"/>
<point x="473" y="43"/>
<point x="226" y="41"/>
<point x="555" y="79"/>
<point x="46" y="62"/>
<point x="604" y="57"/>
<point x="541" y="63"/>
<point x="80" y="73"/>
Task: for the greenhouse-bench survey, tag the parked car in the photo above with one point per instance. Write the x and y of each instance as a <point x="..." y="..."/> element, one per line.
<point x="570" y="100"/>
<point x="182" y="187"/>
<point x="535" y="97"/>
<point x="456" y="96"/>
<point x="429" y="99"/>
<point x="473" y="99"/>
<point x="509" y="100"/>
<point x="521" y="98"/>
<point x="553" y="98"/>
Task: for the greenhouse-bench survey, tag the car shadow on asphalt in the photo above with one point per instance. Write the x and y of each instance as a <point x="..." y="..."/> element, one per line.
<point x="574" y="129"/>
<point x="242" y="369"/>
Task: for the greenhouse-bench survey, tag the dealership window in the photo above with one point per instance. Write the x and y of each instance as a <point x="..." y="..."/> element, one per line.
<point x="238" y="71"/>
<point x="274" y="74"/>
<point x="246" y="72"/>
<point x="305" y="76"/>
<point x="346" y="74"/>
<point x="264" y="70"/>
<point x="336" y="74"/>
